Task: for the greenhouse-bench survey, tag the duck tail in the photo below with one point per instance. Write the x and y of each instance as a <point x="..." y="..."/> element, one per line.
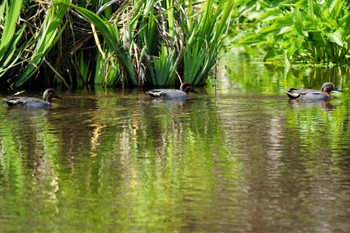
<point x="154" y="93"/>
<point x="10" y="102"/>
<point x="292" y="95"/>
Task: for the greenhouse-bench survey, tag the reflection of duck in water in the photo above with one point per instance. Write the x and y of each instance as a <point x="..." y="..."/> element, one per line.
<point x="313" y="95"/>
<point x="180" y="94"/>
<point x="325" y="104"/>
<point x="34" y="103"/>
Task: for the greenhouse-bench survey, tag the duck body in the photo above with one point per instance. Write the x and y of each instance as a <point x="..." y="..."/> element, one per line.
<point x="27" y="102"/>
<point x="313" y="95"/>
<point x="180" y="94"/>
<point x="31" y="102"/>
<point x="168" y="94"/>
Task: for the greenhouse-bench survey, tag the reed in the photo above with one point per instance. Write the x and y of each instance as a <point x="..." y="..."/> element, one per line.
<point x="204" y="40"/>
<point x="49" y="35"/>
<point x="110" y="43"/>
<point x="9" y="53"/>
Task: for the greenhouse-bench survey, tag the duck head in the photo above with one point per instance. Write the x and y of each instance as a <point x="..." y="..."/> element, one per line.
<point x="49" y="94"/>
<point x="328" y="87"/>
<point x="187" y="87"/>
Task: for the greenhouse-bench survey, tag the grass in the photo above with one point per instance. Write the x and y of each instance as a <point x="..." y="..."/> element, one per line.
<point x="160" y="42"/>
<point x="110" y="43"/>
<point x="9" y="54"/>
<point x="154" y="48"/>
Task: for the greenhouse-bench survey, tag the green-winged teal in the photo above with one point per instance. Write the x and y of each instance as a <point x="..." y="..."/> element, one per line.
<point x="181" y="94"/>
<point x="313" y="95"/>
<point x="30" y="102"/>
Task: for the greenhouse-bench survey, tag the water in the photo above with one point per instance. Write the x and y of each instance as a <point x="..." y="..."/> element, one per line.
<point x="238" y="159"/>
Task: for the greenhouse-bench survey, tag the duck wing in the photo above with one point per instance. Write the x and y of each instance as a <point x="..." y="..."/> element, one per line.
<point x="27" y="102"/>
<point x="13" y="100"/>
<point x="168" y="94"/>
<point x="306" y="94"/>
<point x="295" y="93"/>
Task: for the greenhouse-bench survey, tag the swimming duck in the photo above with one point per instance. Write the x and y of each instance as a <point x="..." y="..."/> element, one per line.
<point x="182" y="93"/>
<point x="313" y="95"/>
<point x="30" y="102"/>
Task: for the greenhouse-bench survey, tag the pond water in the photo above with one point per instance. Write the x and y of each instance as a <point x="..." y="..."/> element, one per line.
<point x="236" y="158"/>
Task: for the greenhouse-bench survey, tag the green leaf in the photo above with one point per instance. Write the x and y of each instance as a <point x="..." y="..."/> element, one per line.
<point x="298" y="21"/>
<point x="111" y="37"/>
<point x="336" y="37"/>
<point x="48" y="37"/>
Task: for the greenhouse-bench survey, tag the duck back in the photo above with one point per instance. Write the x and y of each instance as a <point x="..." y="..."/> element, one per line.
<point x="306" y="94"/>
<point x="168" y="94"/>
<point x="27" y="102"/>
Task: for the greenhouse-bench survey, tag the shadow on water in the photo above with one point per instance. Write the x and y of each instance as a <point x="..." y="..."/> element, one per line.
<point x="241" y="158"/>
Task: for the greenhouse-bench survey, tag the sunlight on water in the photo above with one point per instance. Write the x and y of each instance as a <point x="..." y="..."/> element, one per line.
<point x="235" y="159"/>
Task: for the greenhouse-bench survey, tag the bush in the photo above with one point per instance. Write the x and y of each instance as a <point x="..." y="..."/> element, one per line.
<point x="299" y="31"/>
<point x="125" y="43"/>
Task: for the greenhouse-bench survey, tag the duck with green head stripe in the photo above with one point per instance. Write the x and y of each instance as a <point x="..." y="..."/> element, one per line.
<point x="31" y="102"/>
<point x="313" y="95"/>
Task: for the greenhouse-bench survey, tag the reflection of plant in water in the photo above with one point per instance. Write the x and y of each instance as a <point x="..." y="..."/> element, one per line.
<point x="255" y="76"/>
<point x="316" y="127"/>
<point x="164" y="163"/>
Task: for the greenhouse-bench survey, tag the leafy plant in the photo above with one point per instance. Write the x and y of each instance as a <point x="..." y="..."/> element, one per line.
<point x="205" y="38"/>
<point x="110" y="43"/>
<point x="49" y="35"/>
<point x="294" y="31"/>
<point x="9" y="54"/>
<point x="153" y="44"/>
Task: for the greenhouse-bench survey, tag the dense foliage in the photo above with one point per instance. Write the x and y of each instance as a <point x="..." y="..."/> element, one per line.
<point x="127" y="43"/>
<point x="308" y="31"/>
<point x="160" y="42"/>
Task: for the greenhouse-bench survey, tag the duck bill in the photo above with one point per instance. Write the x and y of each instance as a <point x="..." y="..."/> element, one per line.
<point x="337" y="90"/>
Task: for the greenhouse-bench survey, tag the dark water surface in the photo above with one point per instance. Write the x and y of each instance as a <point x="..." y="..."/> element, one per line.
<point x="241" y="159"/>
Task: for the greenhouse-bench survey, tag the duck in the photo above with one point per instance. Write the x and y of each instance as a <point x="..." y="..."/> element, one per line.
<point x="31" y="102"/>
<point x="313" y="95"/>
<point x="181" y="94"/>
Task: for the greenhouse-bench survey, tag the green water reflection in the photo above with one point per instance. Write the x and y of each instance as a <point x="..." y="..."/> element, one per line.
<point x="240" y="158"/>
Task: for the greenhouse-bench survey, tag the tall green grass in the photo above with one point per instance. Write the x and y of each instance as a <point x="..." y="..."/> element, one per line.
<point x="205" y="37"/>
<point x="110" y="43"/>
<point x="9" y="42"/>
<point x="160" y="42"/>
<point x="49" y="34"/>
